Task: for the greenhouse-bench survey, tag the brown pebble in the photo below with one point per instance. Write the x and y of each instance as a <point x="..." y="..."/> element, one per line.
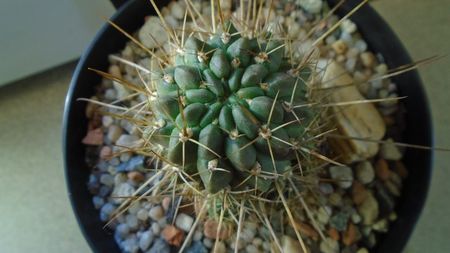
<point x="166" y="203"/>
<point x="136" y="176"/>
<point x="307" y="230"/>
<point x="349" y="236"/>
<point x="115" y="71"/>
<point x="173" y="235"/>
<point x="105" y="152"/>
<point x="334" y="234"/>
<point x="359" y="193"/>
<point x="93" y="137"/>
<point x="211" y="226"/>
<point x="400" y="169"/>
<point x="382" y="170"/>
<point x="368" y="59"/>
<point x="339" y="47"/>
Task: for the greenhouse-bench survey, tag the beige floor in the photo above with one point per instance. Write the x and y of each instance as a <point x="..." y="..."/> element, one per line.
<point x="35" y="214"/>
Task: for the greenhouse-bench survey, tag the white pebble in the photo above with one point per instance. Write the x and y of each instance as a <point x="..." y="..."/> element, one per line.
<point x="184" y="222"/>
<point x="361" y="45"/>
<point x="176" y="10"/>
<point x="126" y="140"/>
<point x="348" y="26"/>
<point x="120" y="191"/>
<point x="107" y="120"/>
<point x="311" y="6"/>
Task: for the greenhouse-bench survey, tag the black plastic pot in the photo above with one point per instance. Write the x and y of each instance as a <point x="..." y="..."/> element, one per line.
<point x="381" y="39"/>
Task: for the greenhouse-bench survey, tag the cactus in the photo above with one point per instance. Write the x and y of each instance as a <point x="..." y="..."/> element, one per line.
<point x="226" y="104"/>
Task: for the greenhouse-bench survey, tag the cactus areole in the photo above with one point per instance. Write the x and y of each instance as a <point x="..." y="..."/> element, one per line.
<point x="231" y="111"/>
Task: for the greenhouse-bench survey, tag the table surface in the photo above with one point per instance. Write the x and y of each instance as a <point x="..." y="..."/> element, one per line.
<point x="35" y="213"/>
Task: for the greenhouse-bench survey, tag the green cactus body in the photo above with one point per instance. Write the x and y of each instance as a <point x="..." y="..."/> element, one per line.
<point x="225" y="111"/>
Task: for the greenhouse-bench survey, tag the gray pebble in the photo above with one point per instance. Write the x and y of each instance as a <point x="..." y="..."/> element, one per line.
<point x="126" y="140"/>
<point x="132" y="221"/>
<point x="208" y="243"/>
<point x="329" y="246"/>
<point x="107" y="120"/>
<point x="339" y="221"/>
<point x="361" y="45"/>
<point x="326" y="188"/>
<point x="343" y="175"/>
<point x="146" y="240"/>
<point x="122" y="230"/>
<point x="107" y="179"/>
<point x="120" y="191"/>
<point x="130" y="245"/>
<point x="106" y="211"/>
<point x="98" y="202"/>
<point x="365" y="172"/>
<point x="156" y="229"/>
<point x="159" y="246"/>
<point x="142" y="214"/>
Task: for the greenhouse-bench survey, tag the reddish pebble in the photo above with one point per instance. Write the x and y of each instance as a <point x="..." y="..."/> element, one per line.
<point x="173" y="235"/>
<point x="136" y="176"/>
<point x="93" y="137"/>
<point x="359" y="193"/>
<point x="349" y="236"/>
<point x="166" y="203"/>
<point x="382" y="170"/>
<point x="401" y="169"/>
<point x="105" y="152"/>
<point x="307" y="230"/>
<point x="210" y="230"/>
<point x="334" y="234"/>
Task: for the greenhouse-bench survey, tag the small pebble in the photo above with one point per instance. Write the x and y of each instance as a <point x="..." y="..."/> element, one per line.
<point x="106" y="211"/>
<point x="159" y="246"/>
<point x="210" y="230"/>
<point x="130" y="245"/>
<point x="381" y="226"/>
<point x="196" y="247"/>
<point x="98" y="202"/>
<point x="350" y="235"/>
<point x="334" y="234"/>
<point x="208" y="243"/>
<point x="329" y="246"/>
<point x="326" y="188"/>
<point x="156" y="229"/>
<point x="369" y="209"/>
<point x="339" y="221"/>
<point x="126" y="140"/>
<point x="107" y="120"/>
<point x="114" y="132"/>
<point x="146" y="240"/>
<point x="132" y="221"/>
<point x="198" y="235"/>
<point x="390" y="151"/>
<point x="184" y="222"/>
<point x="93" y="137"/>
<point x="136" y="176"/>
<point x="156" y="213"/>
<point x="339" y="47"/>
<point x="142" y="215"/>
<point x="382" y="170"/>
<point x="173" y="235"/>
<point x="122" y="230"/>
<point x="365" y="172"/>
<point x="368" y="59"/>
<point x="361" y="45"/>
<point x="105" y="152"/>
<point x="343" y="175"/>
<point x="120" y="191"/>
<point x="362" y="250"/>
<point x="348" y="26"/>
<point x="107" y="179"/>
<point x="311" y="6"/>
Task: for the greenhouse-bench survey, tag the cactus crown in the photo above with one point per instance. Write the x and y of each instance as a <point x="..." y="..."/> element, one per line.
<point x="228" y="111"/>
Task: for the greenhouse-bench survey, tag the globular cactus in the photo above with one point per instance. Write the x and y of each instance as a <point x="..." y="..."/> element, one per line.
<point x="227" y="110"/>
